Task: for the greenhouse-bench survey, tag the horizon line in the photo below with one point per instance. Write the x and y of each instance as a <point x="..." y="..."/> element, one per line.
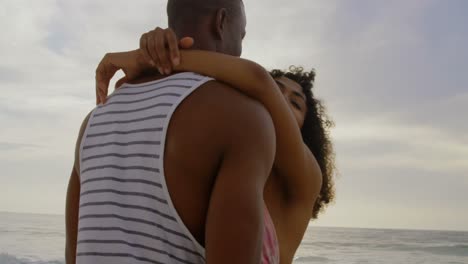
<point x="310" y="224"/>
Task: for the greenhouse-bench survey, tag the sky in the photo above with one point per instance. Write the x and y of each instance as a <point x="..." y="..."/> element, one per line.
<point x="392" y="74"/>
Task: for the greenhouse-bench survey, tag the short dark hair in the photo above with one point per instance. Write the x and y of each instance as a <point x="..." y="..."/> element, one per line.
<point x="315" y="133"/>
<point x="189" y="12"/>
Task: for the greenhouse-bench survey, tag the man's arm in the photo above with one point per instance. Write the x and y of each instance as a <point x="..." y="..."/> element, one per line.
<point x="234" y="226"/>
<point x="73" y="202"/>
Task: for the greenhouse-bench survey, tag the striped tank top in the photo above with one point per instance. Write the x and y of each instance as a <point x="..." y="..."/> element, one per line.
<point x="125" y="213"/>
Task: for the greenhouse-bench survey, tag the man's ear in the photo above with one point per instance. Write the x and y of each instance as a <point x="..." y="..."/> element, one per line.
<point x="220" y="23"/>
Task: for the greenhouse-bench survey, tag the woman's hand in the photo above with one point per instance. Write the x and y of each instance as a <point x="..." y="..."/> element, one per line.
<point x="131" y="62"/>
<point x="159" y="49"/>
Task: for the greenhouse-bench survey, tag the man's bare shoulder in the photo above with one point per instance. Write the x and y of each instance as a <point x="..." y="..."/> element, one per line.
<point x="215" y="114"/>
<point x="227" y="107"/>
<point x="224" y="97"/>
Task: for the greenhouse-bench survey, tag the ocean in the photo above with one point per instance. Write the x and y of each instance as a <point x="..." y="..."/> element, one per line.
<point x="39" y="239"/>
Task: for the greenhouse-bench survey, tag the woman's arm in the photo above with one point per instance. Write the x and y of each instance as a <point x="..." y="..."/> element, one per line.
<point x="294" y="161"/>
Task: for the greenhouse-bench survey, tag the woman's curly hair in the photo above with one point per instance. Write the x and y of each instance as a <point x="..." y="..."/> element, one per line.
<point x="315" y="133"/>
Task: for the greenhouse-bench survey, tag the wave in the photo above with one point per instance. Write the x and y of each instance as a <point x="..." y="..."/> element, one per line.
<point x="449" y="250"/>
<point x="311" y="259"/>
<point x="10" y="259"/>
<point x="452" y="250"/>
<point x="460" y="250"/>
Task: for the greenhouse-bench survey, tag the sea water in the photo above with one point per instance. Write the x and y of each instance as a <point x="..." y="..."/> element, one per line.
<point x="39" y="239"/>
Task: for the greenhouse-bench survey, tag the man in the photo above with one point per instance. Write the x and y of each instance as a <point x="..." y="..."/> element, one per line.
<point x="173" y="169"/>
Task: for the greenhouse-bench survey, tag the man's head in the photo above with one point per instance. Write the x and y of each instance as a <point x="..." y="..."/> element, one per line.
<point x="216" y="25"/>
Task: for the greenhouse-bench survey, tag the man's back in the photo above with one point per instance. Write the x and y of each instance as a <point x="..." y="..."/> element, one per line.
<point x="201" y="129"/>
<point x="153" y="178"/>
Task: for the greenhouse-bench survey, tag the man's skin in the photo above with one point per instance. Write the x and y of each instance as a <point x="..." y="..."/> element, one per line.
<point x="219" y="152"/>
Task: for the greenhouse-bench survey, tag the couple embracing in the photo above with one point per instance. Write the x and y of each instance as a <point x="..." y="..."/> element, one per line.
<point x="199" y="156"/>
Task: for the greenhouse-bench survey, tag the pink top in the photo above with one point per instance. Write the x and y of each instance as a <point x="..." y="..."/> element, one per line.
<point x="270" y="254"/>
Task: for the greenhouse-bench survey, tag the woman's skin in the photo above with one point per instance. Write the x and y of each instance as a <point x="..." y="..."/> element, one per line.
<point x="295" y="180"/>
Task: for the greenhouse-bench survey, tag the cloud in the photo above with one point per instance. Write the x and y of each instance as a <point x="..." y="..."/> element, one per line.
<point x="387" y="143"/>
<point x="6" y="146"/>
<point x="10" y="75"/>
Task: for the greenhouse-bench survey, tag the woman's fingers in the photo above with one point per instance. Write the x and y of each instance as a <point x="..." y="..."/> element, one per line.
<point x="151" y="50"/>
<point x="98" y="96"/>
<point x="100" y="76"/>
<point x="104" y="73"/>
<point x="160" y="39"/>
<point x="163" y="48"/>
<point x="120" y="82"/>
<point x="100" y="89"/>
<point x="144" y="49"/>
<point x="173" y="47"/>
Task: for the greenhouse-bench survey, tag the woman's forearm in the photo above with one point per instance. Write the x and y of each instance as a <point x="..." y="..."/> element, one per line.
<point x="293" y="159"/>
<point x="242" y="74"/>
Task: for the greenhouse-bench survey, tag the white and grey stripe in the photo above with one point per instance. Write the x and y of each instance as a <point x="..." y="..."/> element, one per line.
<point x="128" y="121"/>
<point x="140" y="155"/>
<point x="126" y="215"/>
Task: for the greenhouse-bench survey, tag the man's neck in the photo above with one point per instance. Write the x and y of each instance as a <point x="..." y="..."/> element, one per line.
<point x="148" y="76"/>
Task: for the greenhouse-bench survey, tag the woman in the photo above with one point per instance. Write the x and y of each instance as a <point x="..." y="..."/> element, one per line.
<point x="301" y="181"/>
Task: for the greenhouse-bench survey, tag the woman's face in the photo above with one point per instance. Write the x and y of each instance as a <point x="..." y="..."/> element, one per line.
<point x="295" y="98"/>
